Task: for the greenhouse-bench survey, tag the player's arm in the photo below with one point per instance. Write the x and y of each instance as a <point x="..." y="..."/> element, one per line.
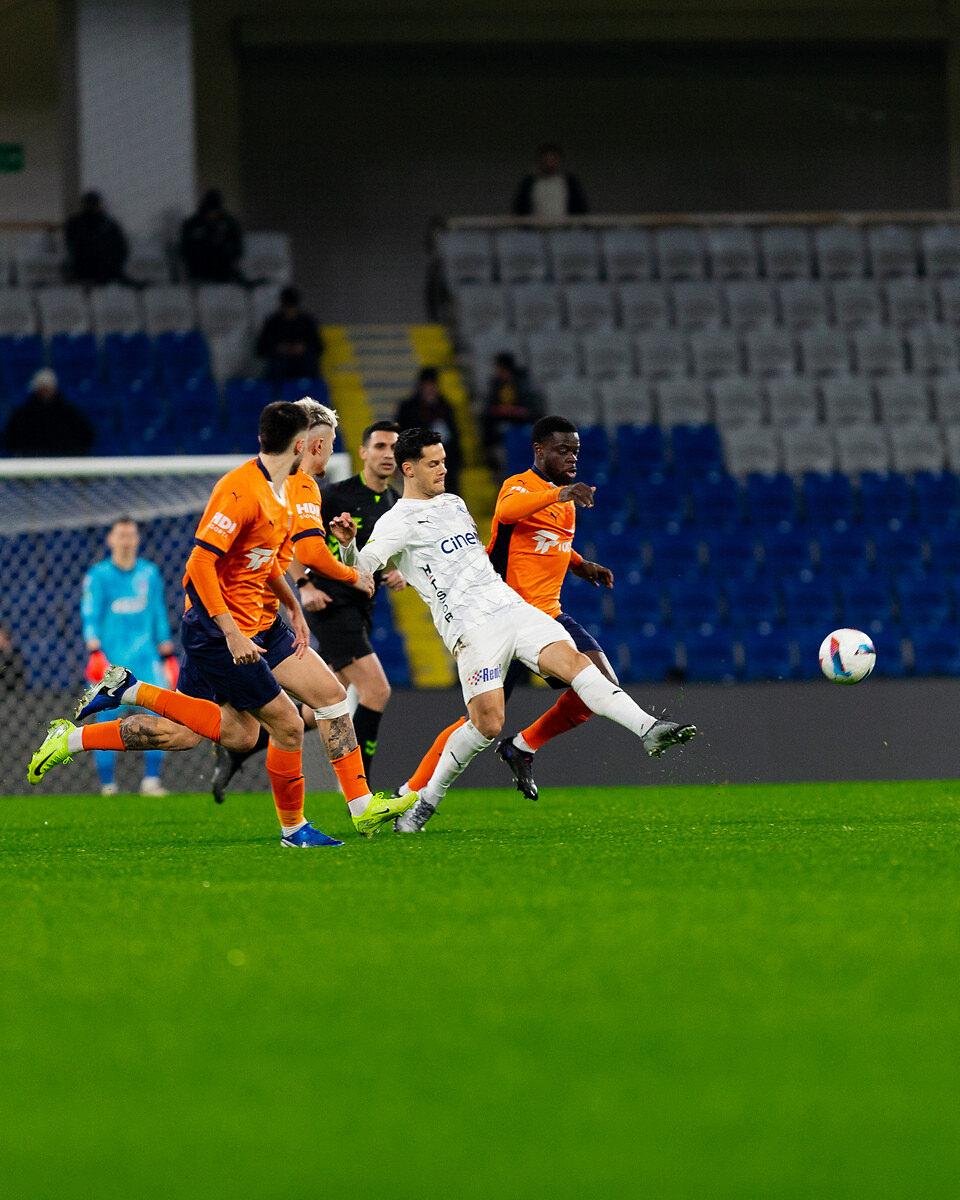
<point x="313" y="553"/>
<point x="277" y="582"/>
<point x="590" y="571"/>
<point x="515" y="502"/>
<point x="385" y="543"/>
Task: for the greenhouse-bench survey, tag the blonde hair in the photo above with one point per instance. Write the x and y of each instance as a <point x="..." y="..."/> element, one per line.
<point x="320" y="416"/>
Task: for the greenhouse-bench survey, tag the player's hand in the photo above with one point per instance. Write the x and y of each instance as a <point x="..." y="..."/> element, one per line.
<point x="394" y="580"/>
<point x="580" y="493"/>
<point x="301" y="632"/>
<point x="313" y="599"/>
<point x="343" y="528"/>
<point x="365" y="583"/>
<point x="243" y="649"/>
<point x="593" y="573"/>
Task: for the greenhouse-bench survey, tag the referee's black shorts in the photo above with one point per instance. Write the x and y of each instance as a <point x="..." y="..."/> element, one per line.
<point x="342" y="633"/>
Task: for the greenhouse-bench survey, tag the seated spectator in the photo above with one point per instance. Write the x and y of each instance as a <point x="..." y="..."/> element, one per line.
<point x="96" y="246"/>
<point x="13" y="674"/>
<point x="289" y="341"/>
<point x="430" y="409"/>
<point x="510" y="401"/>
<point x="211" y="243"/>
<point x="46" y="424"/>
<point x="551" y="193"/>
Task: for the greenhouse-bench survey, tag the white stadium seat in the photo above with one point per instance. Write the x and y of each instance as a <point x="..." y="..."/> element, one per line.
<point x="862" y="448"/>
<point x="222" y="308"/>
<point x="522" y="256"/>
<point x="536" y="307"/>
<point x="785" y="250"/>
<point x="589" y="306"/>
<point x="856" y="302"/>
<point x="949" y="291"/>
<point x="892" y="250"/>
<point x="148" y="261"/>
<point x="37" y="258"/>
<point x="737" y="402"/>
<point x="115" y="309"/>
<point x="625" y="402"/>
<point x="951" y="436"/>
<point x="714" y="352"/>
<point x="902" y="400"/>
<point x="267" y="257"/>
<point x="264" y="300"/>
<point x="847" y="400"/>
<point x="481" y="309"/>
<point x="696" y="305"/>
<point x="909" y="302"/>
<point x="231" y="352"/>
<point x="824" y="351"/>
<point x="840" y="251"/>
<point x="753" y="450"/>
<point x="792" y="402"/>
<point x="661" y="353"/>
<point x="750" y="305"/>
<point x="644" y="305"/>
<point x="916" y="447"/>
<point x="168" y="308"/>
<point x="803" y="303"/>
<point x="18" y="315"/>
<point x="63" y="310"/>
<point x="932" y="349"/>
<point x="770" y="352"/>
<point x="552" y="355"/>
<point x="683" y="402"/>
<point x="680" y="252"/>
<point x="878" y="351"/>
<point x="808" y="448"/>
<point x="607" y="354"/>
<point x="574" y="399"/>
<point x="627" y="253"/>
<point x="946" y="399"/>
<point x="732" y="251"/>
<point x="940" y="245"/>
<point x="466" y="255"/>
<point x="574" y="254"/>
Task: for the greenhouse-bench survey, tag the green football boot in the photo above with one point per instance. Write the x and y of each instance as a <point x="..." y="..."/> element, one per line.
<point x="381" y="809"/>
<point x="53" y="750"/>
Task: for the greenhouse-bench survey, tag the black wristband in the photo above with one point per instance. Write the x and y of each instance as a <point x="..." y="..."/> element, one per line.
<point x="301" y="582"/>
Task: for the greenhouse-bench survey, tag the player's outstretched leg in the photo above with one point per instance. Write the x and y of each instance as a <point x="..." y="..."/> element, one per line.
<point x="428" y="764"/>
<point x="120" y="686"/>
<point x="54" y="750"/>
<point x="462" y="747"/>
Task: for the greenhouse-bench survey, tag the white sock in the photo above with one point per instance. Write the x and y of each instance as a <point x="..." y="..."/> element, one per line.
<point x="130" y="694"/>
<point x="404" y="789"/>
<point x="75" y="740"/>
<point x="609" y="700"/>
<point x="462" y="747"/>
<point x="359" y="806"/>
<point x="522" y="744"/>
<point x="288" y="829"/>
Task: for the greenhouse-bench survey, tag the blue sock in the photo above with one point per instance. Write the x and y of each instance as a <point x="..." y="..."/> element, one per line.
<point x="152" y="762"/>
<point x="106" y="761"/>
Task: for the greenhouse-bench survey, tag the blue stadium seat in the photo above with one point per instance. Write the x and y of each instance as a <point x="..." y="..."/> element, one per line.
<point x="586" y="604"/>
<point x="182" y="356"/>
<point x="767" y="655"/>
<point x="888" y="643"/>
<point x="936" y="497"/>
<point x="710" y="657"/>
<point x="637" y="601"/>
<point x="594" y="451"/>
<point x="715" y="501"/>
<point x="866" y="604"/>
<point x="696" y="448"/>
<point x="944" y="551"/>
<point x="898" y="553"/>
<point x="771" y="501"/>
<point x="674" y="555"/>
<point x="844" y="553"/>
<point x="651" y="655"/>
<point x="936" y="651"/>
<point x="195" y="406"/>
<point x="694" y="605"/>
<point x="619" y="548"/>
<point x="296" y="389"/>
<point x="659" y="501"/>
<point x="74" y="357"/>
<point x="20" y="358"/>
<point x="752" y="604"/>
<point x="640" y="450"/>
<point x="885" y="500"/>
<point x="827" y="501"/>
<point x="806" y="640"/>
<point x="926" y="603"/>
<point x="733" y="555"/>
<point x="517" y="447"/>
<point x="809" y="602"/>
<point x="786" y="553"/>
<point x="127" y="357"/>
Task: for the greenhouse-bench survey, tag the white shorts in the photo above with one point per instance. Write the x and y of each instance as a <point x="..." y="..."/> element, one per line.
<point x="520" y="632"/>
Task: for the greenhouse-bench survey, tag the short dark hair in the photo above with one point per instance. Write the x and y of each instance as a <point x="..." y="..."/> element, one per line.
<point x="428" y="375"/>
<point x="290" y="296"/>
<point x="412" y="443"/>
<point x="547" y="425"/>
<point x="378" y="427"/>
<point x="280" y="423"/>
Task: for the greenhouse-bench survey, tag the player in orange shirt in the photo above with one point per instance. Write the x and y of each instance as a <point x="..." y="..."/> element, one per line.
<point x="531" y="546"/>
<point x="238" y="653"/>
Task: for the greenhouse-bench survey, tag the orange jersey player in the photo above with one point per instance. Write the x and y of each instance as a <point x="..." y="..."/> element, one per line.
<point x="531" y="547"/>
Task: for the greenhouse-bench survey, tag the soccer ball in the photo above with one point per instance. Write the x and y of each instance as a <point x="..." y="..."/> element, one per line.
<point x="847" y="656"/>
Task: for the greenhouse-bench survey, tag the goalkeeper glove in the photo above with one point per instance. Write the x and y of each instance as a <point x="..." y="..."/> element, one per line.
<point x="171" y="668"/>
<point x="96" y="667"/>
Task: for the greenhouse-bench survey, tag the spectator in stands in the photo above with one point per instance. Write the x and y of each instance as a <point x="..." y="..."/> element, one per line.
<point x="289" y="341"/>
<point x="211" y="243"/>
<point x="46" y="424"/>
<point x="428" y="408"/>
<point x="510" y="401"/>
<point x="551" y="193"/>
<point x="96" y="245"/>
<point x="13" y="675"/>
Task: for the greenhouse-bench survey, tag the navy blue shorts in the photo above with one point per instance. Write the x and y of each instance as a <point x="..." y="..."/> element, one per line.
<point x="208" y="671"/>
<point x="584" y="642"/>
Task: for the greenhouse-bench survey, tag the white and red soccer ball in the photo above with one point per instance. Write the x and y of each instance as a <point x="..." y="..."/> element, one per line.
<point x="847" y="656"/>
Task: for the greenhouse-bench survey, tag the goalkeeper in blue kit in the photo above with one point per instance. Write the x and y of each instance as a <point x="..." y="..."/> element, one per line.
<point x="125" y="620"/>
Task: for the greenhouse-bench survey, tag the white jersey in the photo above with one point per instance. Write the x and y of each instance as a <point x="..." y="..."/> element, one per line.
<point x="436" y="547"/>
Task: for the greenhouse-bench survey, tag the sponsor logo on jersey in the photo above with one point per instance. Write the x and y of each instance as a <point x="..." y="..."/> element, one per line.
<point x="546" y="541"/>
<point x="126" y="605"/>
<point x="483" y="675"/>
<point x="451" y="544"/>
<point x="258" y="557"/>
<point x="309" y="509"/>
<point x="220" y="521"/>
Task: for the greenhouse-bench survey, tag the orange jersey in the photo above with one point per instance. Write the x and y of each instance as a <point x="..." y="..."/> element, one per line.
<point x="308" y="538"/>
<point x="531" y="541"/>
<point x="236" y="547"/>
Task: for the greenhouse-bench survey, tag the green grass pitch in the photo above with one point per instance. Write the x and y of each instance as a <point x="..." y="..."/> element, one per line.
<point x="726" y="992"/>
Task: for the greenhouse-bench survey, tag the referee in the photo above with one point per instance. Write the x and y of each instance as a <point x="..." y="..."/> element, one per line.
<point x="340" y="617"/>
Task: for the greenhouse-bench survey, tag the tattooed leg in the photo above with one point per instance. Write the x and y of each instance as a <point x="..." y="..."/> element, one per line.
<point x="140" y="731"/>
<point x="337" y="736"/>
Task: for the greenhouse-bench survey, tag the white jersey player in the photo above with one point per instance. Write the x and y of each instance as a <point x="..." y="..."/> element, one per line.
<point x="431" y="538"/>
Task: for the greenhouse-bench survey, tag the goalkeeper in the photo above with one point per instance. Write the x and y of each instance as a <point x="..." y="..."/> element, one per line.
<point x="125" y="620"/>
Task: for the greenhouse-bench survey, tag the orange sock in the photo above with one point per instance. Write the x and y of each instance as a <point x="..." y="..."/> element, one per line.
<point x="428" y="764"/>
<point x="351" y="776"/>
<point x="285" y="770"/>
<point x="105" y="735"/>
<point x="202" y="716"/>
<point x="566" y="714"/>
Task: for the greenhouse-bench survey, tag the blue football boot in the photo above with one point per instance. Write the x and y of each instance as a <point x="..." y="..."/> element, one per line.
<point x="306" y="836"/>
<point x="107" y="694"/>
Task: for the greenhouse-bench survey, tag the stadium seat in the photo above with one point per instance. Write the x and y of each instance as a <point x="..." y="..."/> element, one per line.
<point x="231" y="353"/>
<point x="916" y="447"/>
<point x="127" y="357"/>
<point x="752" y="603"/>
<point x="573" y="399"/>
<point x="936" y="652"/>
<point x="522" y="255"/>
<point x="552" y="355"/>
<point x="771" y="501"/>
<point x="115" y="309"/>
<point x="637" y="601"/>
<point x="222" y="310"/>
<point x="808" y="448"/>
<point x="840" y="251"/>
<point x="898" y="554"/>
<point x="195" y="407"/>
<point x="803" y="304"/>
<point x="792" y="402"/>
<point x="878" y="351"/>
<point x="18" y="316"/>
<point x="607" y="354"/>
<point x="640" y="450"/>
<point x="751" y="450"/>
<point x="843" y="553"/>
<point x="766" y="655"/>
<point x="20" y="358"/>
<point x="295" y="389"/>
<point x="264" y="301"/>
<point x="516" y="444"/>
<point x="925" y="603"/>
<point x="786" y="554"/>
<point x="696" y="305"/>
<point x="892" y="250"/>
<point x="710" y="657"/>
<point x="825" y="351"/>
<point x="944" y="552"/>
<point x="267" y="257"/>
<point x="587" y="605"/>
<point x="946" y="399"/>
<point x="682" y="402"/>
<point x="827" y="501"/>
<point x="574" y="254"/>
<point x="662" y="354"/>
<point x="732" y="252"/>
<point x="148" y="261"/>
<point x="168" y="309"/>
<point x="180" y="356"/>
<point x="866" y="604"/>
<point x="63" y="310"/>
<point x="696" y="448"/>
<point x="856" y="302"/>
<point x="466" y="256"/>
<point x="885" y="500"/>
<point x="716" y="501"/>
<point x="651" y="655"/>
<point x="644" y="306"/>
<point x="909" y="302"/>
<point x="847" y="400"/>
<point x="74" y="357"/>
<point x="749" y="305"/>
<point x="627" y="254"/>
<point x="732" y="556"/>
<point x="594" y="446"/>
<point x="809" y="601"/>
<point x="932" y="350"/>
<point x="940" y="249"/>
<point x="536" y="308"/>
<point x="244" y="400"/>
<point x="625" y="402"/>
<point x="482" y="309"/>
<point x="589" y="307"/>
<point x="785" y="251"/>
<point x="659" y="502"/>
<point x="37" y="257"/>
<point x="770" y="352"/>
<point x="737" y="402"/>
<point x="862" y="448"/>
<point x="948" y="294"/>
<point x="680" y="252"/>
<point x="693" y="603"/>
<point x="714" y="353"/>
<point x="936" y="497"/>
<point x="951" y="437"/>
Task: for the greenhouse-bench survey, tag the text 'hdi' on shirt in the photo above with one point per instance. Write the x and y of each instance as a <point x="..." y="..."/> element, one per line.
<point x="436" y="546"/>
